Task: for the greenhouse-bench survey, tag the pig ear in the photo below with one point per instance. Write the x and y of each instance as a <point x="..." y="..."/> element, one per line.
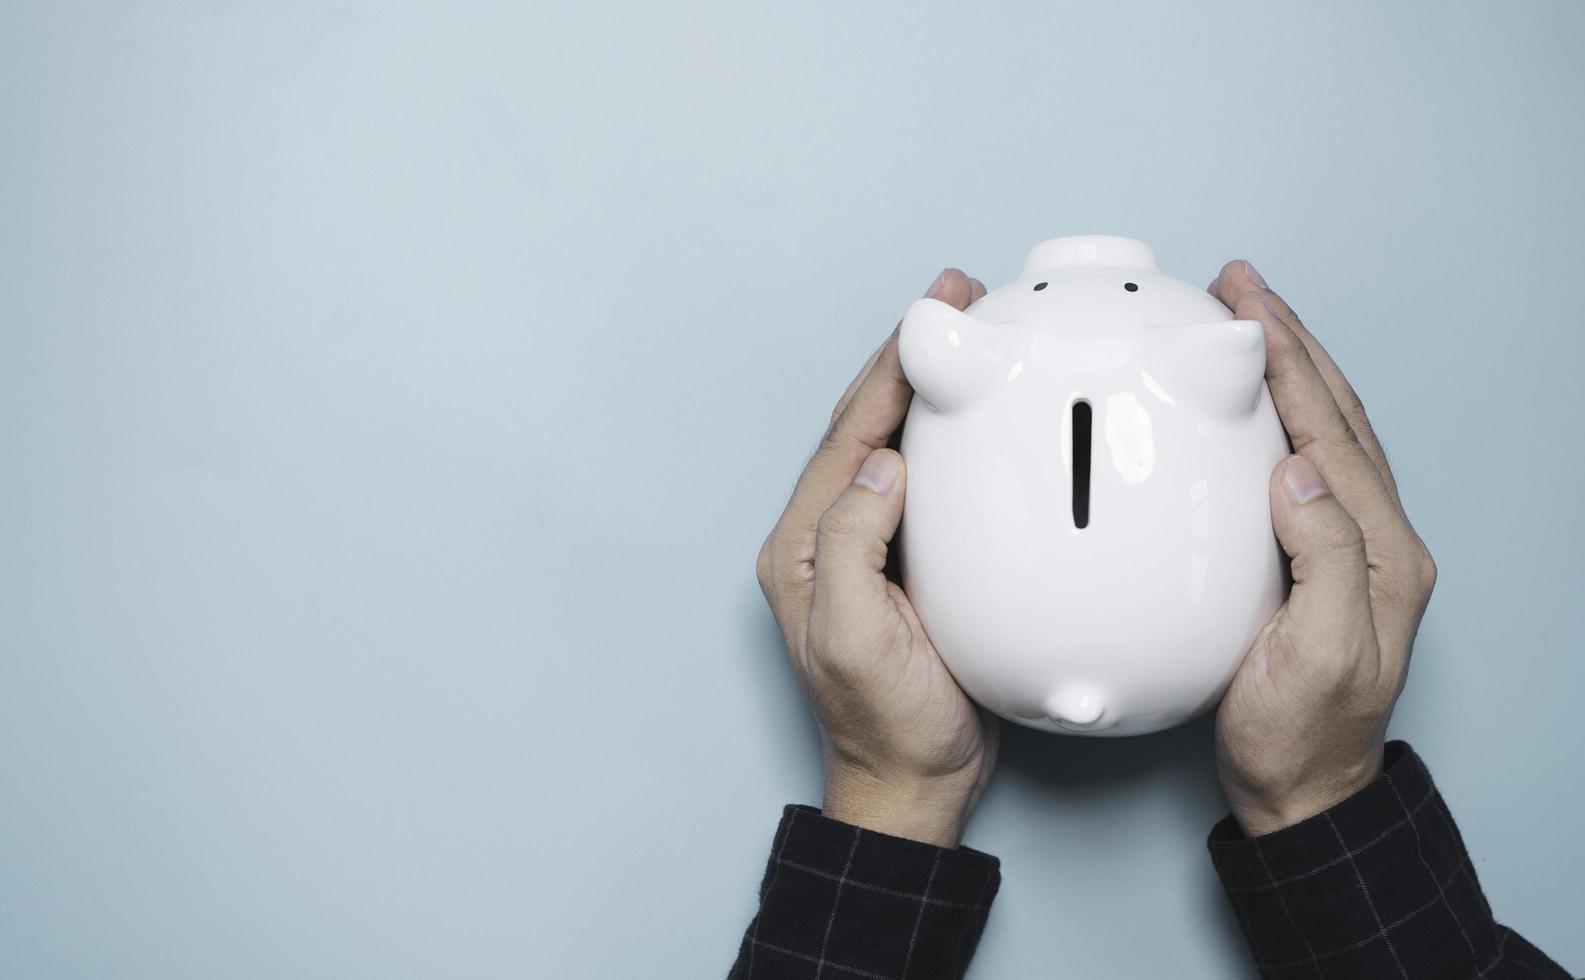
<point x="951" y="358"/>
<point x="1218" y="366"/>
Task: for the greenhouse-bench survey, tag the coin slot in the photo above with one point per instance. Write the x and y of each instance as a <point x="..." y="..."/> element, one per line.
<point x="1080" y="464"/>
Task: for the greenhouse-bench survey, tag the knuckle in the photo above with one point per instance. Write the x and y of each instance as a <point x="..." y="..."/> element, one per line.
<point x="1338" y="451"/>
<point x="1411" y="570"/>
<point x="1413" y="562"/>
<point x="1424" y="568"/>
<point x="782" y="570"/>
<point x="1284" y="353"/>
<point x="1353" y="674"/>
<point x="839" y="521"/>
<point x="765" y="565"/>
<point x="1332" y="440"/>
<point x="846" y="649"/>
<point x="1359" y="423"/>
<point x="828" y="647"/>
<point x="830" y="445"/>
<point x="1344" y="441"/>
<point x="1352" y="405"/>
<point x="1344" y="536"/>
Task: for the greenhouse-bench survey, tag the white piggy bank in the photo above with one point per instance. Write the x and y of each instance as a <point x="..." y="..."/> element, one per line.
<point x="1087" y="534"/>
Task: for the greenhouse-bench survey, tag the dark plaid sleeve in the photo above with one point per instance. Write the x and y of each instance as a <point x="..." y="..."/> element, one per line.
<point x="838" y="901"/>
<point x="1378" y="886"/>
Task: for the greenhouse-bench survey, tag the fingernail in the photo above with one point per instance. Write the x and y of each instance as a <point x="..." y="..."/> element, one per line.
<point x="1254" y="276"/>
<point x="935" y="287"/>
<point x="879" y="472"/>
<point x="1301" y="480"/>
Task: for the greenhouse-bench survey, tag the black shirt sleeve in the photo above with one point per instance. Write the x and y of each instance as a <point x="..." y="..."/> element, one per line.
<point x="864" y="904"/>
<point x="1378" y="886"/>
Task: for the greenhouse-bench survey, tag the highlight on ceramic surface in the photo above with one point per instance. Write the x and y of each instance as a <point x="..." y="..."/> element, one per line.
<point x="1087" y="536"/>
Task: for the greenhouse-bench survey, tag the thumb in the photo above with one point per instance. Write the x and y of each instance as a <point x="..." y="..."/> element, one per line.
<point x="851" y="543"/>
<point x="1331" y="579"/>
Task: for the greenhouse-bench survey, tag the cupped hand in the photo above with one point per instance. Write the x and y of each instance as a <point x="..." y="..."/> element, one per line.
<point x="906" y="752"/>
<point x="1304" y="722"/>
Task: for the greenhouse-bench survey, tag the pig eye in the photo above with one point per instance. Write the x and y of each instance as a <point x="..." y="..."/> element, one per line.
<point x="1132" y="287"/>
<point x="1039" y="286"/>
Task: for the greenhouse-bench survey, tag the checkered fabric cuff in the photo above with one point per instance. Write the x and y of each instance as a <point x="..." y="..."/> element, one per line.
<point x="838" y="901"/>
<point x="1378" y="886"/>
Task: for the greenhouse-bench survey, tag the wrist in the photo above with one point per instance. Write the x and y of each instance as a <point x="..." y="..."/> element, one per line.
<point x="1268" y="809"/>
<point x="932" y="810"/>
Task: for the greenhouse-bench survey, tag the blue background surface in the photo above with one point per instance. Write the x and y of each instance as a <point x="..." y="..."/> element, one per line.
<point x="393" y="398"/>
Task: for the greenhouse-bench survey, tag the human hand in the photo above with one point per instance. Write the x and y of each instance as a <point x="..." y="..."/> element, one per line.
<point x="1304" y="722"/>
<point x="906" y="752"/>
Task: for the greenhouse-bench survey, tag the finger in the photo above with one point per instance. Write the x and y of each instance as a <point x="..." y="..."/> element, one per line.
<point x="952" y="287"/>
<point x="865" y="419"/>
<point x="1238" y="278"/>
<point x="1396" y="559"/>
<point x="1317" y="427"/>
<point x="1329" y="620"/>
<point x="1402" y="581"/>
<point x="858" y="379"/>
<point x="851" y="592"/>
<point x="873" y="413"/>
<point x="977" y="292"/>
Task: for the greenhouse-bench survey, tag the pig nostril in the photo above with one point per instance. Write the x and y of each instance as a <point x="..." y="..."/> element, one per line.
<point x="1039" y="286"/>
<point x="1132" y="287"/>
<point x="1080" y="467"/>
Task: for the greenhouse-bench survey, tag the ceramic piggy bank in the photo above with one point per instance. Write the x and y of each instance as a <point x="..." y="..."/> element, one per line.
<point x="1087" y="534"/>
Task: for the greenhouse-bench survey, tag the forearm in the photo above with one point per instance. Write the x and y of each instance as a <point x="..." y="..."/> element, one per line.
<point x="865" y="903"/>
<point x="1378" y="885"/>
